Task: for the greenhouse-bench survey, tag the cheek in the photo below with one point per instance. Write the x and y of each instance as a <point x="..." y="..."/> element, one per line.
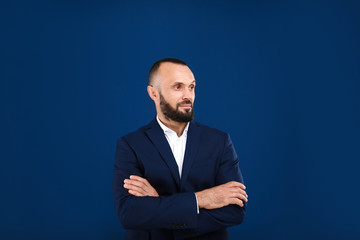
<point x="173" y="98"/>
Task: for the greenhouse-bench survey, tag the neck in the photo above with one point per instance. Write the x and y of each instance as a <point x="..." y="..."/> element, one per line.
<point x="177" y="127"/>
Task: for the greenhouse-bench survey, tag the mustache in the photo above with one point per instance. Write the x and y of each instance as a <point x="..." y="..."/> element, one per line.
<point x="185" y="102"/>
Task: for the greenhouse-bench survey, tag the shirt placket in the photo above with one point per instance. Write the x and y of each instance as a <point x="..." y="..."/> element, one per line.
<point x="177" y="153"/>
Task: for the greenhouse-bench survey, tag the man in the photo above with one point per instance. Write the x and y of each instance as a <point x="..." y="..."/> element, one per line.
<point x="176" y="178"/>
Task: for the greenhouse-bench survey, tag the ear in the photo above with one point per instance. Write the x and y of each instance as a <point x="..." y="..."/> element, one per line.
<point x="152" y="92"/>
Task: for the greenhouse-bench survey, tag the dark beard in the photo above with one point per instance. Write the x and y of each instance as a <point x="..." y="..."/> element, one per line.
<point x="175" y="114"/>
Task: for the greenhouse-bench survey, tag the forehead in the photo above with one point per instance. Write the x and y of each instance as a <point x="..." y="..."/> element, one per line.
<point x="171" y="72"/>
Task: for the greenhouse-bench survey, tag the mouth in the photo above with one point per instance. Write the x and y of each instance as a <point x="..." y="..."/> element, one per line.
<point x="188" y="106"/>
<point x="185" y="105"/>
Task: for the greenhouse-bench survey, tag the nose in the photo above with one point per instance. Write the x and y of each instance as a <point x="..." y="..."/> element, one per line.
<point x="188" y="94"/>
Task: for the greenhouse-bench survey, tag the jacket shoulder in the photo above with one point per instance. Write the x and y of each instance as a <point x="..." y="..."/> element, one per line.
<point x="131" y="136"/>
<point x="211" y="130"/>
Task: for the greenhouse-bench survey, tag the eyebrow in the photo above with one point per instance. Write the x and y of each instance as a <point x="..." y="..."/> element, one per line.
<point x="183" y="83"/>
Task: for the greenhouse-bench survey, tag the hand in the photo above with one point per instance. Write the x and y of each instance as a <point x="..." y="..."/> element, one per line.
<point x="139" y="187"/>
<point x="222" y="195"/>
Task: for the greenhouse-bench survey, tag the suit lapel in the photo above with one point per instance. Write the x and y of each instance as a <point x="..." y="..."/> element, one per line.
<point x="157" y="136"/>
<point x="192" y="146"/>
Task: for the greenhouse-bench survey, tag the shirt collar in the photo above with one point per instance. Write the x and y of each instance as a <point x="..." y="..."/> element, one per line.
<point x="168" y="130"/>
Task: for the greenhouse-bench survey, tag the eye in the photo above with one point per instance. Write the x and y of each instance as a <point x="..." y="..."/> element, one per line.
<point x="192" y="87"/>
<point x="177" y="86"/>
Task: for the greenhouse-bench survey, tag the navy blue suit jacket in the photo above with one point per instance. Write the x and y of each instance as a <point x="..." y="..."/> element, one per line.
<point x="209" y="160"/>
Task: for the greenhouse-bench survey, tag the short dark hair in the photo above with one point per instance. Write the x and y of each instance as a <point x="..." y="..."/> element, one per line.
<point x="156" y="65"/>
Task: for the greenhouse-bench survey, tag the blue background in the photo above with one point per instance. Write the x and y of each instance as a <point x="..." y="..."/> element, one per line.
<point x="282" y="77"/>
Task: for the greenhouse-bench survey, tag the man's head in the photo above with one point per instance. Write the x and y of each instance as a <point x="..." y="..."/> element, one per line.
<point x="172" y="88"/>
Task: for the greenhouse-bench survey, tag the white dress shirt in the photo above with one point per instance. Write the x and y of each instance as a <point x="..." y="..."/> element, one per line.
<point x="177" y="144"/>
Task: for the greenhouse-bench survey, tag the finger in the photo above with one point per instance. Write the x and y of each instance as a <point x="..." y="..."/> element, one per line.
<point x="240" y="191"/>
<point x="134" y="188"/>
<point x="135" y="193"/>
<point x="137" y="178"/>
<point x="236" y="201"/>
<point x="136" y="183"/>
<point x="240" y="196"/>
<point x="237" y="184"/>
<point x="146" y="187"/>
<point x="141" y="182"/>
<point x="128" y="186"/>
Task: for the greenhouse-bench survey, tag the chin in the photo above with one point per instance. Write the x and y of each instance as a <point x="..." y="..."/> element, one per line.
<point x="187" y="111"/>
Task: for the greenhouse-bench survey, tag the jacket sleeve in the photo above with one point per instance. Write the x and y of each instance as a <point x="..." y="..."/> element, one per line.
<point x="177" y="211"/>
<point x="215" y="219"/>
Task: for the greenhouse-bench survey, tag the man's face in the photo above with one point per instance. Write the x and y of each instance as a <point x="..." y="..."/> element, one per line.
<point x="176" y="92"/>
<point x="175" y="113"/>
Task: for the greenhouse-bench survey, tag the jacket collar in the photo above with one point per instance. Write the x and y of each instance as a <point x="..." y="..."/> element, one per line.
<point x="156" y="135"/>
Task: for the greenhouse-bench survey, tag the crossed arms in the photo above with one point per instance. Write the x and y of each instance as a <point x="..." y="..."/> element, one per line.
<point x="139" y="206"/>
<point x="211" y="198"/>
